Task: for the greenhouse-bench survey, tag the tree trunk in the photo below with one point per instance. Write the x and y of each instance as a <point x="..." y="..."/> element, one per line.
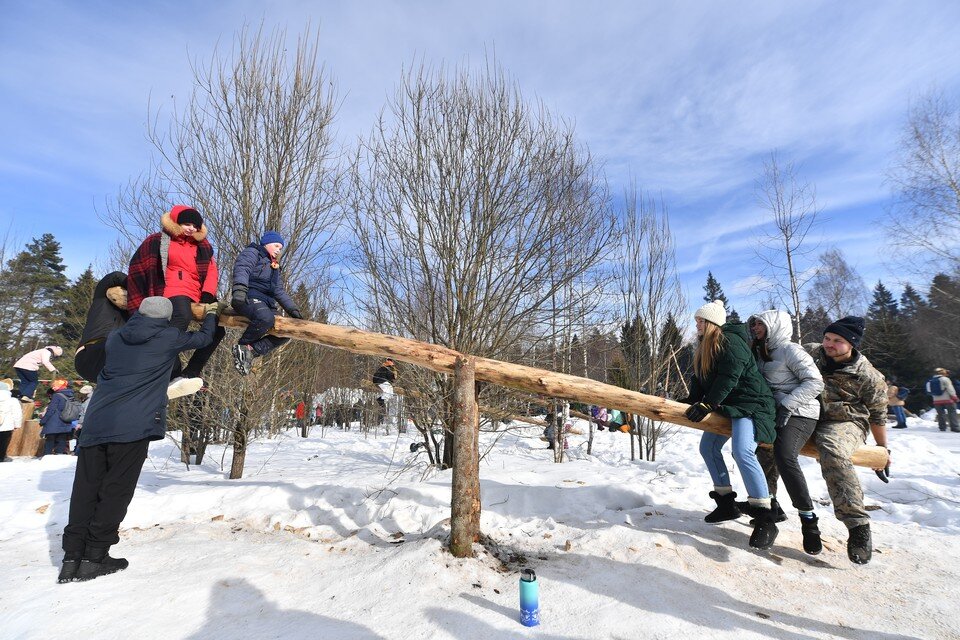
<point x="516" y="376"/>
<point x="465" y="500"/>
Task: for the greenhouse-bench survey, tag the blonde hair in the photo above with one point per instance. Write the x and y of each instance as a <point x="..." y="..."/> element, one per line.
<point x="707" y="349"/>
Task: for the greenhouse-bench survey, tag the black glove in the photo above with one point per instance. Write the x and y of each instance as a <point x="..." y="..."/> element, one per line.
<point x="239" y="297"/>
<point x="783" y="416"/>
<point x="207" y="298"/>
<point x="884" y="474"/>
<point x="295" y="313"/>
<point x="699" y="411"/>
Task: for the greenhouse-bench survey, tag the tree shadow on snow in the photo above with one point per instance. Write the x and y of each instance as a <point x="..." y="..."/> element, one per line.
<point x="238" y="609"/>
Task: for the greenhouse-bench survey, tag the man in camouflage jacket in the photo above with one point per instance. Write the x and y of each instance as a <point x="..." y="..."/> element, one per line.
<point x="854" y="400"/>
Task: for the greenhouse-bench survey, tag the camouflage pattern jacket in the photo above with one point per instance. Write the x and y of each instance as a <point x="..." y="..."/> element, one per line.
<point x="855" y="392"/>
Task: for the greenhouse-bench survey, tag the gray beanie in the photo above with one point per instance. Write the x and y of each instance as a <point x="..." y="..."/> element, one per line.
<point x="156" y="307"/>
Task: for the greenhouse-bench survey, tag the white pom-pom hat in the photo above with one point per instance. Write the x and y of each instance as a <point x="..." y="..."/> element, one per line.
<point x="712" y="312"/>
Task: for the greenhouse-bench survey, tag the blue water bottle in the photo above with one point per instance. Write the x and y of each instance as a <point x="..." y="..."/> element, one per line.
<point x="529" y="598"/>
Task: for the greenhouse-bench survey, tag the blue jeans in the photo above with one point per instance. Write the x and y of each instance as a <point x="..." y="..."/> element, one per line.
<point x="900" y="415"/>
<point x="744" y="454"/>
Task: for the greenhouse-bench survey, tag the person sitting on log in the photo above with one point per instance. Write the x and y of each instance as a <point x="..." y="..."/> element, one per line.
<point x="854" y="400"/>
<point x="257" y="292"/>
<point x="726" y="380"/>
<point x="178" y="264"/>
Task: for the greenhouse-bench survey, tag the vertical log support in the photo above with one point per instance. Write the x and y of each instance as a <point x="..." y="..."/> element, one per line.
<point x="465" y="498"/>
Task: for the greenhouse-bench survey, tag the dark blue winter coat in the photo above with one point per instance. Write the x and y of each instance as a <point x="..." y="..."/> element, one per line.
<point x="263" y="281"/>
<point x="51" y="421"/>
<point x="130" y="402"/>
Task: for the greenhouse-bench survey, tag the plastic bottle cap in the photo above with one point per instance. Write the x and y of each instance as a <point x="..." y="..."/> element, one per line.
<point x="528" y="575"/>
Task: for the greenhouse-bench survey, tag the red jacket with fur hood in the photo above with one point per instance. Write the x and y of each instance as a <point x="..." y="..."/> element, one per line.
<point x="171" y="263"/>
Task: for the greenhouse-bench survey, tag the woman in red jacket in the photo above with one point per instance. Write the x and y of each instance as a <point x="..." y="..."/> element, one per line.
<point x="178" y="264"/>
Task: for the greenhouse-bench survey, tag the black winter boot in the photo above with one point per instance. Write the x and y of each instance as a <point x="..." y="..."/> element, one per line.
<point x="98" y="563"/>
<point x="765" y="530"/>
<point x="778" y="513"/>
<point x="860" y="545"/>
<point x="811" y="535"/>
<point x="71" y="562"/>
<point x="726" y="508"/>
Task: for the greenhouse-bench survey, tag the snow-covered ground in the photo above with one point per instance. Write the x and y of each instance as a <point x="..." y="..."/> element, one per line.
<point x="342" y="537"/>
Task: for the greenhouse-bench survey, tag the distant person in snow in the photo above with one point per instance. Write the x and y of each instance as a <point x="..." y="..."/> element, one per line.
<point x="944" y="396"/>
<point x="177" y="263"/>
<point x="11" y="417"/>
<point x="258" y="291"/>
<point x="726" y="380"/>
<point x="896" y="399"/>
<point x="796" y="384"/>
<point x="28" y="368"/>
<point x="57" y="428"/>
<point x="127" y="411"/>
<point x="383" y="378"/>
<point x="103" y="317"/>
<point x="854" y="400"/>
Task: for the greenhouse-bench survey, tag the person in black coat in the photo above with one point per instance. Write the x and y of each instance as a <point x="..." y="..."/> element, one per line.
<point x="128" y="410"/>
<point x="103" y="317"/>
<point x="257" y="292"/>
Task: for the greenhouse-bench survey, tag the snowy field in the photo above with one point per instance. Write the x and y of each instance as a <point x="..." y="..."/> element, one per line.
<point x="341" y="537"/>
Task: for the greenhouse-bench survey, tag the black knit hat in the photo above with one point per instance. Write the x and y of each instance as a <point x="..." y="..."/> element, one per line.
<point x="849" y="328"/>
<point x="189" y="216"/>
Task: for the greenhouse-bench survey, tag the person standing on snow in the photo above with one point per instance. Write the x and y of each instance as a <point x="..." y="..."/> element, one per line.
<point x="896" y="396"/>
<point x="56" y="431"/>
<point x="796" y="384"/>
<point x="726" y="380"/>
<point x="941" y="389"/>
<point x="854" y="400"/>
<point x="11" y="417"/>
<point x="127" y="411"/>
<point x="177" y="263"/>
<point x="103" y="316"/>
<point x="383" y="378"/>
<point x="28" y="368"/>
<point x="257" y="292"/>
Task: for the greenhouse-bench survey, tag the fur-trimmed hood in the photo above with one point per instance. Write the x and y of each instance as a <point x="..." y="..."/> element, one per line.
<point x="169" y="223"/>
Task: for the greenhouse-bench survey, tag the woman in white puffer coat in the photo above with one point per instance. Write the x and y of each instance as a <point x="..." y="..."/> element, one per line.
<point x="11" y="417"/>
<point x="796" y="383"/>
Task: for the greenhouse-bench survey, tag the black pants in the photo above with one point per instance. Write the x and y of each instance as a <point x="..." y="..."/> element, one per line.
<point x="261" y="318"/>
<point x="4" y="443"/>
<point x="182" y="316"/>
<point x="89" y="362"/>
<point x="782" y="462"/>
<point x="103" y="486"/>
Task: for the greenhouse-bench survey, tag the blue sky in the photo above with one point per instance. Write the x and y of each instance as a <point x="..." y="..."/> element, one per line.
<point x="686" y="98"/>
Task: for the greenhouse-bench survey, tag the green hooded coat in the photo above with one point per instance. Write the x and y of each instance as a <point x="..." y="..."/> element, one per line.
<point x="736" y="385"/>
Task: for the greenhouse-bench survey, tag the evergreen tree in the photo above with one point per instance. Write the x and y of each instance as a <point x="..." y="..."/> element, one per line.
<point x="713" y="291"/>
<point x="911" y="303"/>
<point x="886" y="341"/>
<point x="813" y="321"/>
<point x="32" y="296"/>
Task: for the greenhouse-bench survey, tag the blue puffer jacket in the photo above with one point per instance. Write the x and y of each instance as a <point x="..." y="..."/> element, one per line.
<point x="263" y="281"/>
<point x="51" y="421"/>
<point x="130" y="403"/>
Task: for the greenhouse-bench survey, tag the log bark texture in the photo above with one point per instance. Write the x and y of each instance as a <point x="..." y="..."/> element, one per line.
<point x="465" y="490"/>
<point x="515" y="376"/>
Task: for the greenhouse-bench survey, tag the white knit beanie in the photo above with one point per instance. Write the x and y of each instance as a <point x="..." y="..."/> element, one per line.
<point x="712" y="312"/>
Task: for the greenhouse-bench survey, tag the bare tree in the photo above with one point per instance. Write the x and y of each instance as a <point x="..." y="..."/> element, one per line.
<point x="646" y="275"/>
<point x="926" y="181"/>
<point x="465" y="194"/>
<point x="252" y="150"/>
<point x="837" y="287"/>
<point x="793" y="209"/>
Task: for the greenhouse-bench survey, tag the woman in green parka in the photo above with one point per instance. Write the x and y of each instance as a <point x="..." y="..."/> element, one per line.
<point x="726" y="380"/>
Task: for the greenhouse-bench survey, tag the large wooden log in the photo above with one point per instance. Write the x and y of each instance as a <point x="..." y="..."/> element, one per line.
<point x="26" y="440"/>
<point x="516" y="376"/>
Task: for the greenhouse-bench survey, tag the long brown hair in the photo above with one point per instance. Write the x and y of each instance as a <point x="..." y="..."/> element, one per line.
<point x="707" y="350"/>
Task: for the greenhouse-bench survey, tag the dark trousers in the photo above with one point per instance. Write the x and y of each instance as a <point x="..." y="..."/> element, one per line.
<point x="56" y="443"/>
<point x="89" y="362"/>
<point x="946" y="414"/>
<point x="4" y="443"/>
<point x="103" y="486"/>
<point x="261" y="318"/>
<point x="182" y="316"/>
<point x="28" y="382"/>
<point x="783" y="461"/>
<point x="900" y="415"/>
